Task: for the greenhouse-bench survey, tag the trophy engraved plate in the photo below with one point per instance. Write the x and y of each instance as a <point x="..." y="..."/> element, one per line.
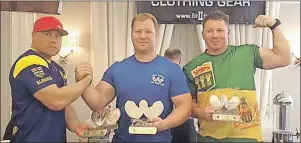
<point x="225" y="110"/>
<point x="143" y="125"/>
<point x="104" y="120"/>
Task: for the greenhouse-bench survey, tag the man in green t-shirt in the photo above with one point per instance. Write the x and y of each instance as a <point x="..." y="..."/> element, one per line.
<point x="222" y="79"/>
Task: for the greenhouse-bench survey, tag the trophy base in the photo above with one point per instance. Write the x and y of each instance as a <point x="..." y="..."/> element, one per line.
<point x="143" y="130"/>
<point x="282" y="136"/>
<point x="100" y="131"/>
<point x="96" y="133"/>
<point x="223" y="117"/>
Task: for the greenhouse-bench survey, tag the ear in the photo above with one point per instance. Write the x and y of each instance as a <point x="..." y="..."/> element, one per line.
<point x="203" y="34"/>
<point x="229" y="32"/>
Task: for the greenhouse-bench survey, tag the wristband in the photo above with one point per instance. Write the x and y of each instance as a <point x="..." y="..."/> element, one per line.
<point x="276" y="24"/>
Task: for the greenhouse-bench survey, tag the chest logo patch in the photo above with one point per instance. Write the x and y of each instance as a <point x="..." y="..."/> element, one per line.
<point x="204" y="77"/>
<point x="158" y="79"/>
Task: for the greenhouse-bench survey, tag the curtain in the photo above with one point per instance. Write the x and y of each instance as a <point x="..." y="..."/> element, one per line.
<point x="15" y="39"/>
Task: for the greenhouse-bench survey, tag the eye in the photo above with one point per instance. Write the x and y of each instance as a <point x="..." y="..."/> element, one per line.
<point x="58" y="35"/>
<point x="46" y="33"/>
<point x="149" y="32"/>
<point x="138" y="31"/>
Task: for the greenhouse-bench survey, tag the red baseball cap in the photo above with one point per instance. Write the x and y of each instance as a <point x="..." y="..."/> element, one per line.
<point x="49" y="23"/>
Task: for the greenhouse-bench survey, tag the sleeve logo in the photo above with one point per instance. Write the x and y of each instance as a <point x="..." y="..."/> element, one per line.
<point x="38" y="72"/>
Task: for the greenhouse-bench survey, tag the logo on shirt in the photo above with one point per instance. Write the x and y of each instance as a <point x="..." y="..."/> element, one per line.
<point x="204" y="77"/>
<point x="158" y="79"/>
<point x="43" y="80"/>
<point x="15" y="129"/>
<point x="38" y="72"/>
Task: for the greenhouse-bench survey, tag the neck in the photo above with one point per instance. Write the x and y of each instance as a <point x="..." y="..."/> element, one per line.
<point x="145" y="57"/>
<point x="41" y="54"/>
<point x="216" y="51"/>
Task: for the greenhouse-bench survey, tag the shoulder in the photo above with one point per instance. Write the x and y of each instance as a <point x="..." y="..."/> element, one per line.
<point x="166" y="62"/>
<point x="243" y="47"/>
<point x="244" y="50"/>
<point x="122" y="63"/>
<point x="198" y="60"/>
<point x="59" y="67"/>
<point x="28" y="59"/>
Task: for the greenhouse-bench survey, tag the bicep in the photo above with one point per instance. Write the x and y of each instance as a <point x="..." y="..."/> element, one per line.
<point x="39" y="83"/>
<point x="45" y="95"/>
<point x="106" y="90"/>
<point x="178" y="84"/>
<point x="183" y="99"/>
<point x="269" y="58"/>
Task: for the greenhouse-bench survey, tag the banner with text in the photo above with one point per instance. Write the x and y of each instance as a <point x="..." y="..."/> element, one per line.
<point x="193" y="12"/>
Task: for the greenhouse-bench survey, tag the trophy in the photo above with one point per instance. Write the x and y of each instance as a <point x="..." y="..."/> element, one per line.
<point x="225" y="110"/>
<point x="143" y="125"/>
<point x="105" y="120"/>
<point x="283" y="115"/>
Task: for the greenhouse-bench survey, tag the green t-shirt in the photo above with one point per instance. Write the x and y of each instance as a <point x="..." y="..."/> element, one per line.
<point x="228" y="76"/>
<point x="234" y="68"/>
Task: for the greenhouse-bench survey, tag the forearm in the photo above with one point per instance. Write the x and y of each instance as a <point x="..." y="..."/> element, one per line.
<point x="281" y="46"/>
<point x="71" y="118"/>
<point x="70" y="93"/>
<point x="178" y="115"/>
<point x="58" y="98"/>
<point x="196" y="110"/>
<point x="97" y="100"/>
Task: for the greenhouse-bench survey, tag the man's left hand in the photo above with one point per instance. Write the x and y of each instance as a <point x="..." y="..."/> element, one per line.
<point x="81" y="128"/>
<point x="264" y="21"/>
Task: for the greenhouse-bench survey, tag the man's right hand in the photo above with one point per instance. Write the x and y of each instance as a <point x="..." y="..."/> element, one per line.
<point x="206" y="113"/>
<point x="82" y="70"/>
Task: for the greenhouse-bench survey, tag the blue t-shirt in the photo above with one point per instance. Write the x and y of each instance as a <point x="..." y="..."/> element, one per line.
<point x="31" y="120"/>
<point x="136" y="81"/>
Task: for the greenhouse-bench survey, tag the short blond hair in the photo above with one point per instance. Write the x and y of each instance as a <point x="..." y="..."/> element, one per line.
<point x="143" y="17"/>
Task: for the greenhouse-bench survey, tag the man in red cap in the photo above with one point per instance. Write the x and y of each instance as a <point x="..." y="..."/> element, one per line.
<point x="41" y="99"/>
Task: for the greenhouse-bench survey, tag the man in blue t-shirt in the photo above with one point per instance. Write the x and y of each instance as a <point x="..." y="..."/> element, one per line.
<point x="144" y="76"/>
<point x="41" y="99"/>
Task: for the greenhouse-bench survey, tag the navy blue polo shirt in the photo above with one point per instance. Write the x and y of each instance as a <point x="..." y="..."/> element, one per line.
<point x="31" y="120"/>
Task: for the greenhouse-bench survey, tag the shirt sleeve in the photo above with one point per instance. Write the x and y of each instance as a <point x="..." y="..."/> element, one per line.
<point x="178" y="83"/>
<point x="258" y="62"/>
<point x="108" y="75"/>
<point x="190" y="82"/>
<point x="35" y="77"/>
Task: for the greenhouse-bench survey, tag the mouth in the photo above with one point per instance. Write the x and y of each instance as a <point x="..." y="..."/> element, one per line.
<point x="215" y="42"/>
<point x="53" y="47"/>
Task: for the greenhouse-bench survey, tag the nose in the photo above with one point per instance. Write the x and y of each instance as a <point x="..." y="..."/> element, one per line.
<point x="54" y="39"/>
<point x="214" y="34"/>
<point x="142" y="35"/>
